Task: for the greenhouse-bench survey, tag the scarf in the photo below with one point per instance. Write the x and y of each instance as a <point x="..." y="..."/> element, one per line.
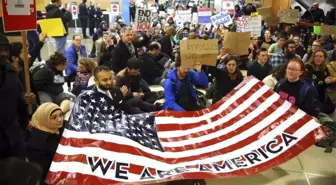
<point x="131" y="49"/>
<point x="41" y="117"/>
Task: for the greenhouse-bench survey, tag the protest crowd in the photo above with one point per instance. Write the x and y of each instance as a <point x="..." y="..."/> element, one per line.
<point x="149" y="65"/>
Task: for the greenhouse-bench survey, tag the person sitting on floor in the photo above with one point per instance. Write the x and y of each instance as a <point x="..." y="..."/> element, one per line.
<point x="260" y="68"/>
<point x="139" y="94"/>
<point x="180" y="94"/>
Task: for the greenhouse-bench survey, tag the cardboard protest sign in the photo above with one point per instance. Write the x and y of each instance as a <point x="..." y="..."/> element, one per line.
<point x="202" y="51"/>
<point x="222" y="18"/>
<point x="255" y="2"/>
<point x="328" y="30"/>
<point x="237" y="42"/>
<point x="182" y="16"/>
<point x="254" y="25"/>
<point x="242" y="24"/>
<point x="143" y="19"/>
<point x="290" y="16"/>
<point x="272" y="21"/>
<point x="265" y="11"/>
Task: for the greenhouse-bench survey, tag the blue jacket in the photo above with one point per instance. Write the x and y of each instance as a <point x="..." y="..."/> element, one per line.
<point x="193" y="77"/>
<point x="72" y="58"/>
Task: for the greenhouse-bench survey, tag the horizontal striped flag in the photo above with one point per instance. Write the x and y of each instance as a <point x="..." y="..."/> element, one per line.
<point x="250" y="130"/>
<point x="204" y="15"/>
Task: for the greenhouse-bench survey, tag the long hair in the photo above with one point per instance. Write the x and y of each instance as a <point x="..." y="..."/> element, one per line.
<point x="89" y="64"/>
<point x="323" y="66"/>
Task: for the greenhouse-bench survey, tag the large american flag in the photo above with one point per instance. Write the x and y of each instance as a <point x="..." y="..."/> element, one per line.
<point x="250" y="130"/>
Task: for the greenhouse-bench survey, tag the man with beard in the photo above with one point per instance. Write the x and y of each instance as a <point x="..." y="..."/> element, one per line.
<point x="103" y="77"/>
<point x="282" y="57"/>
<point x="139" y="94"/>
<point x="13" y="112"/>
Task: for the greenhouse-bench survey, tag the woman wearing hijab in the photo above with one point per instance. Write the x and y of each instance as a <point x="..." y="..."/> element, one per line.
<point x="46" y="133"/>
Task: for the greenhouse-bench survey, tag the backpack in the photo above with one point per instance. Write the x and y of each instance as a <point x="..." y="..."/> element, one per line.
<point x="36" y="68"/>
<point x="303" y="91"/>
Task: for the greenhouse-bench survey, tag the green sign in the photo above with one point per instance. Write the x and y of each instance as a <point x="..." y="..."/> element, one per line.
<point x="317" y="30"/>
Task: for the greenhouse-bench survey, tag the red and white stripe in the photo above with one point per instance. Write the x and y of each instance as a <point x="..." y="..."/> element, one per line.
<point x="246" y="119"/>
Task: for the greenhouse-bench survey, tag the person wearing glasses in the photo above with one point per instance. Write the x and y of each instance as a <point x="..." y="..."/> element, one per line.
<point x="315" y="46"/>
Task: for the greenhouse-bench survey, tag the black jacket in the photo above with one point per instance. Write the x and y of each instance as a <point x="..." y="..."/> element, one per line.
<point x="92" y="11"/>
<point x="118" y="101"/>
<point x="223" y="82"/>
<point x="150" y="68"/>
<point x="99" y="14"/>
<point x="83" y="11"/>
<point x="54" y="12"/>
<point x="41" y="148"/>
<point x="166" y="46"/>
<point x="49" y="80"/>
<point x="13" y="110"/>
<point x="258" y="71"/>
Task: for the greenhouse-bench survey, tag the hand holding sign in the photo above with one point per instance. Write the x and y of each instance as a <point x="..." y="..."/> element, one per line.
<point x="196" y="52"/>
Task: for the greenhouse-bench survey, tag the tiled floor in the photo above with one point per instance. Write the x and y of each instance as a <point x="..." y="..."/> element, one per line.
<point x="312" y="167"/>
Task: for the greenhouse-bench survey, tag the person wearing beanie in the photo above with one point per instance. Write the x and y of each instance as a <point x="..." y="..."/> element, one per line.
<point x="14" y="111"/>
<point x="45" y="135"/>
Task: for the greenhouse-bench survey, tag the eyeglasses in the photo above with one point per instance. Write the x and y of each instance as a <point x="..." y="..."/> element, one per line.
<point x="292" y="69"/>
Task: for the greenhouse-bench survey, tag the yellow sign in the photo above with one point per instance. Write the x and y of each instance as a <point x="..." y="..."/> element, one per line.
<point x="198" y="51"/>
<point x="254" y="14"/>
<point x="52" y="27"/>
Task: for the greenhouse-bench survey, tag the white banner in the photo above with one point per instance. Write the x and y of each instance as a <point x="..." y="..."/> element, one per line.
<point x="254" y="25"/>
<point x="182" y="16"/>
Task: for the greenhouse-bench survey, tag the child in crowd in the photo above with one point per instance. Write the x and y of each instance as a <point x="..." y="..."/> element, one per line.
<point x="81" y="76"/>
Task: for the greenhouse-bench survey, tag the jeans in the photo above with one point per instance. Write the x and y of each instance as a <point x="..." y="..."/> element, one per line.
<point x="60" y="44"/>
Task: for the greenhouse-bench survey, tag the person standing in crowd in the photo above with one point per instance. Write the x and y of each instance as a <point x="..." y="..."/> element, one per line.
<point x="74" y="53"/>
<point x="260" y="68"/>
<point x="276" y="47"/>
<point x="14" y="111"/>
<point x="92" y="18"/>
<point x="54" y="11"/>
<point x="45" y="135"/>
<point x="83" y="16"/>
<point x="318" y="74"/>
<point x="49" y="80"/>
<point x="314" y="14"/>
<point x="132" y="11"/>
<point x="150" y="63"/>
<point x="99" y="17"/>
<point x="226" y="78"/>
<point x="282" y="57"/>
<point x="180" y="94"/>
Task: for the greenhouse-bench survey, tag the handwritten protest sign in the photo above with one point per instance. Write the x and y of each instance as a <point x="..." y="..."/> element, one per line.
<point x="272" y="21"/>
<point x="290" y="16"/>
<point x="242" y="24"/>
<point x="222" y="18"/>
<point x="254" y="25"/>
<point x="253" y="2"/>
<point x="265" y="11"/>
<point x="237" y="42"/>
<point x="202" y="51"/>
<point x="182" y="16"/>
<point x="328" y="30"/>
<point x="143" y="19"/>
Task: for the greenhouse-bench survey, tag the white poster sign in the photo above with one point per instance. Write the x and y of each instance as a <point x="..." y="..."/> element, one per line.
<point x="254" y="25"/>
<point x="222" y="18"/>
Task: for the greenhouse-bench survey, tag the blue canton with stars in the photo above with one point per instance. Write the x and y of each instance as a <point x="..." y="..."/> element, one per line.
<point x="94" y="112"/>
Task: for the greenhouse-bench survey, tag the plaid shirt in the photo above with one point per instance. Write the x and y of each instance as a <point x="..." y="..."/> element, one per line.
<point x="279" y="59"/>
